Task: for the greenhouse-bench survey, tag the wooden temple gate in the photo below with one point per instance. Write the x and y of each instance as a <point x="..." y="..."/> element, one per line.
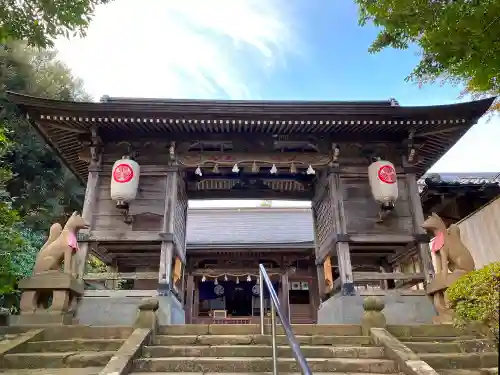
<point x="240" y="150"/>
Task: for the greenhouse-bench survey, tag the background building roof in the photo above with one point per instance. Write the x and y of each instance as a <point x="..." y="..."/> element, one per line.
<point x="219" y="227"/>
<point x="245" y="226"/>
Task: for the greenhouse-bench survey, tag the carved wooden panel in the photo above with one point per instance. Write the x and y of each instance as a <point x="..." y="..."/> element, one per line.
<point x="180" y="215"/>
<point x="322" y="215"/>
<point x="361" y="210"/>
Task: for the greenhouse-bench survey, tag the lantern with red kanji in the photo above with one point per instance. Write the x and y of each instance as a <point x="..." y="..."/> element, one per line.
<point x="383" y="182"/>
<point x="124" y="181"/>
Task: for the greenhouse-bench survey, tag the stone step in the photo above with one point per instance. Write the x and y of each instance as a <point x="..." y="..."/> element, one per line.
<point x="261" y="373"/>
<point x="254" y="329"/>
<point x="460" y="360"/>
<point x="436" y="338"/>
<point x="459" y="346"/>
<point x="56" y="360"/>
<point x="86" y="345"/>
<point x="54" y="371"/>
<point x="258" y="339"/>
<point x="85" y="332"/>
<point x="483" y="371"/>
<point x="429" y="330"/>
<point x="262" y="351"/>
<point x="249" y="364"/>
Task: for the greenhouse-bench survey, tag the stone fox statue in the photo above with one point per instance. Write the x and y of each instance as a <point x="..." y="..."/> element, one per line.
<point x="60" y="246"/>
<point x="451" y="253"/>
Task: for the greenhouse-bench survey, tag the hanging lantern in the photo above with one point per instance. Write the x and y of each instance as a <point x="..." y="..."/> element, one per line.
<point x="225" y="277"/>
<point x="216" y="169"/>
<point x="274" y="170"/>
<point x="255" y="168"/>
<point x="235" y="168"/>
<point x="216" y="282"/>
<point x="310" y="170"/>
<point x="124" y="181"/>
<point x="203" y="279"/>
<point x="237" y="280"/>
<point x="249" y="278"/>
<point x="383" y="182"/>
<point x="293" y="168"/>
<point x="198" y="171"/>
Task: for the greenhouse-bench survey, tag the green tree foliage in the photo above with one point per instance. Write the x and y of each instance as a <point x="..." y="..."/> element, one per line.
<point x="35" y="188"/>
<point x="475" y="298"/>
<point x="43" y="191"/>
<point x="10" y="239"/>
<point x="40" y="21"/>
<point x="95" y="265"/>
<point x="459" y="39"/>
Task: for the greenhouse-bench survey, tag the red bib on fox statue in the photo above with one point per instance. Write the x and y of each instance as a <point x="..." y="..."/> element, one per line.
<point x="72" y="241"/>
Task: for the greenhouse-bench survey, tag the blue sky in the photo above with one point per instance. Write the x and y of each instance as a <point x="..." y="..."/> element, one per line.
<point x="258" y="49"/>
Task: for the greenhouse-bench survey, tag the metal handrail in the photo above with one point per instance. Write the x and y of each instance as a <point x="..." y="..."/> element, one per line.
<point x="275" y="307"/>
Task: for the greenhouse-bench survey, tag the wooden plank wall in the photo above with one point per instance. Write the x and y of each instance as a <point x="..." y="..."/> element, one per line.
<point x="361" y="210"/>
<point x="481" y="234"/>
<point x="147" y="208"/>
<point x="322" y="213"/>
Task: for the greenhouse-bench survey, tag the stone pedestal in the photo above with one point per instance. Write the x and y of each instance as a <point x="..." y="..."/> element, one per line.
<point x="436" y="290"/>
<point x="372" y="316"/>
<point x="146" y="315"/>
<point x="49" y="298"/>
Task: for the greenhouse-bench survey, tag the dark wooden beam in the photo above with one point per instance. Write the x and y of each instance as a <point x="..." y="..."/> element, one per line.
<point x="376" y="276"/>
<point x="323" y="140"/>
<point x="245" y="176"/>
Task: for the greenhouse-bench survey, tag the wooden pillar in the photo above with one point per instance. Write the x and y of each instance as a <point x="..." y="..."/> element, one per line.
<point x="345" y="269"/>
<point x="285" y="298"/>
<point x="189" y="298"/>
<point x="167" y="244"/>
<point x="342" y="248"/>
<point x="320" y="271"/>
<point x="418" y="219"/>
<point x="111" y="284"/>
<point x="89" y="203"/>
<point x="315" y="298"/>
<point x="386" y="267"/>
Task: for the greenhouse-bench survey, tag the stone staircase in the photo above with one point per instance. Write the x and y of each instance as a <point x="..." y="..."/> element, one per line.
<point x="449" y="351"/>
<point x="331" y="349"/>
<point x="240" y="349"/>
<point x="74" y="350"/>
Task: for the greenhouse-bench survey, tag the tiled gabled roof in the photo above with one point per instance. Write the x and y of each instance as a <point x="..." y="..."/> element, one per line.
<point x="250" y="226"/>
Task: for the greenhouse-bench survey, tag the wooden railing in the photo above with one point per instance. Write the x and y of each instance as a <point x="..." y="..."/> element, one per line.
<point x="405" y="280"/>
<point x="104" y="276"/>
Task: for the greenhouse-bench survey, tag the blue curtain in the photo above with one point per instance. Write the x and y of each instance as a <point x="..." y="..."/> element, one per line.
<point x="207" y="288"/>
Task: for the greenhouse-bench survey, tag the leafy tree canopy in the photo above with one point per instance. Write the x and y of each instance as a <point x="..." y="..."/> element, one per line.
<point x="475" y="298"/>
<point x="42" y="190"/>
<point x="40" y="21"/>
<point x="459" y="39"/>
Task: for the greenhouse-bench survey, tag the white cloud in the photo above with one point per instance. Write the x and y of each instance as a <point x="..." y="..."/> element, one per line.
<point x="180" y="48"/>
